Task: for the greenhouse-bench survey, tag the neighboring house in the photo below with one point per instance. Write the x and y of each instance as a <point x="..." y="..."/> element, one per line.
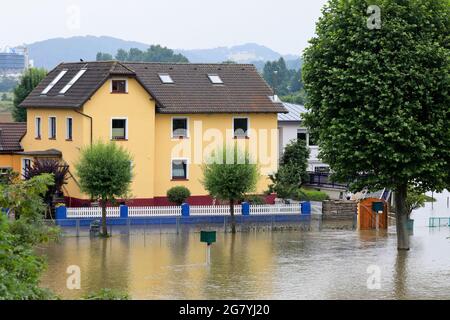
<point x="290" y="128"/>
<point x="154" y="110"/>
<point x="10" y="135"/>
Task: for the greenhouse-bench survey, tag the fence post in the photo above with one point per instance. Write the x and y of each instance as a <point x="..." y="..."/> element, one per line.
<point x="61" y="213"/>
<point x="305" y="207"/>
<point x="123" y="211"/>
<point x="185" y="210"/>
<point x="245" y="208"/>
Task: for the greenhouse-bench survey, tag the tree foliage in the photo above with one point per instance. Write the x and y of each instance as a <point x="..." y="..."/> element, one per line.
<point x="178" y="194"/>
<point x="282" y="80"/>
<point x="105" y="173"/>
<point x="20" y="267"/>
<point x="379" y="98"/>
<point x="155" y="53"/>
<point x="292" y="172"/>
<point x="57" y="168"/>
<point x="230" y="176"/>
<point x="29" y="80"/>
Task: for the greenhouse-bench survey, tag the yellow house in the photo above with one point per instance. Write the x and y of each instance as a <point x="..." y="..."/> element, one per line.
<point x="169" y="116"/>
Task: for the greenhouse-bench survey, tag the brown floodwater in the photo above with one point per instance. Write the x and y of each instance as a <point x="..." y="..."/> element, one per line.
<point x="296" y="264"/>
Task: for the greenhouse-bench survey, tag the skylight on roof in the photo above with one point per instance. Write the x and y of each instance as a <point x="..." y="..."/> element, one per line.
<point x="215" y="79"/>
<point x="55" y="81"/>
<point x="165" y="78"/>
<point x="72" y="82"/>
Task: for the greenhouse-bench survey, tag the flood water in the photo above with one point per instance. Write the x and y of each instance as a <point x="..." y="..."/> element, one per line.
<point x="317" y="264"/>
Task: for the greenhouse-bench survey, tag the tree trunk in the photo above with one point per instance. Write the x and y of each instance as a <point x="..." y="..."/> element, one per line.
<point x="104" y="228"/>
<point x="401" y="216"/>
<point x="233" y="220"/>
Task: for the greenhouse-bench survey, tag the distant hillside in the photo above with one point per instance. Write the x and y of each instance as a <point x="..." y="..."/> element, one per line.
<point x="49" y="53"/>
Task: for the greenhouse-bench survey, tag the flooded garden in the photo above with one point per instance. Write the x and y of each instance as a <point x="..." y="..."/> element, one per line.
<point x="319" y="262"/>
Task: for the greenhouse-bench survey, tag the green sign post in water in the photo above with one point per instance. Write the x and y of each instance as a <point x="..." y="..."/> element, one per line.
<point x="208" y="237"/>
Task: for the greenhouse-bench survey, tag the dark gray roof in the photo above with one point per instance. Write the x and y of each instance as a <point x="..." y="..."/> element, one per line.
<point x="243" y="89"/>
<point x="294" y="111"/>
<point x="10" y="135"/>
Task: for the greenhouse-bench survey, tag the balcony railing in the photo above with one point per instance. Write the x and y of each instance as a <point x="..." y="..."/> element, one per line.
<point x="322" y="179"/>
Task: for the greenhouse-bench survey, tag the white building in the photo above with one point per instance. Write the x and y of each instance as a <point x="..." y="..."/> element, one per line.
<point x="290" y="128"/>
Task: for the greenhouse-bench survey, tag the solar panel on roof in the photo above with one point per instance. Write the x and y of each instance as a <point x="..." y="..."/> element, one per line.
<point x="72" y="82"/>
<point x="55" y="81"/>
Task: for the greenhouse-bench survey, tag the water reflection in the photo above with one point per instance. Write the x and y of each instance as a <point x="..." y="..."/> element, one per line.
<point x="327" y="264"/>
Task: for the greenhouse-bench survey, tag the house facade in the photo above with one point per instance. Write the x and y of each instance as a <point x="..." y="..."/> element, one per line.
<point x="169" y="117"/>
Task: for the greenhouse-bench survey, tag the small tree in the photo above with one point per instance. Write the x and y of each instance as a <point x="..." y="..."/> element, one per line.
<point x="416" y="199"/>
<point x="292" y="171"/>
<point x="105" y="173"/>
<point x="178" y="194"/>
<point x="30" y="79"/>
<point x="57" y="168"/>
<point x="230" y="179"/>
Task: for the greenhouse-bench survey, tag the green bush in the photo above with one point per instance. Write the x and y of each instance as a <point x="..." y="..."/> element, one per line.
<point x="107" y="294"/>
<point x="178" y="194"/>
<point x="310" y="195"/>
<point x="254" y="199"/>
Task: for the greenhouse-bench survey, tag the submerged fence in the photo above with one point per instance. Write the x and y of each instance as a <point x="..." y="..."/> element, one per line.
<point x="191" y="214"/>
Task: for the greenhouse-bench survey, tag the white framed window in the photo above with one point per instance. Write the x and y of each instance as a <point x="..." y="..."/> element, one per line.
<point x="37" y="127"/>
<point x="180" y="127"/>
<point x="26" y="162"/>
<point x="69" y="128"/>
<point x="119" y="128"/>
<point x="119" y="86"/>
<point x="165" y="78"/>
<point x="179" y="169"/>
<point x="240" y="127"/>
<point x="52" y="127"/>
<point x="215" y="79"/>
<point x="302" y="135"/>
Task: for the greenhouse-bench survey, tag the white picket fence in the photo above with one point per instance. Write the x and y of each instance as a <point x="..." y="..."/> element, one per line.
<point x="275" y="209"/>
<point x="221" y="210"/>
<point x="92" y="212"/>
<point x="154" y="211"/>
<point x="166" y="211"/>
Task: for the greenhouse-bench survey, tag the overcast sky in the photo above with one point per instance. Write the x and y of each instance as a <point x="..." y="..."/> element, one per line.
<point x="282" y="25"/>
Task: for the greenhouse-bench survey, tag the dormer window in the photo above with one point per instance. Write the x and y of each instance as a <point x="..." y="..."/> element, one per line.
<point x="119" y="86"/>
<point x="165" y="78"/>
<point x="215" y="79"/>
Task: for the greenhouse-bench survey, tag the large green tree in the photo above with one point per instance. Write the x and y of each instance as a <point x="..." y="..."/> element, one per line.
<point x="105" y="173"/>
<point x="229" y="175"/>
<point x="29" y="80"/>
<point x="379" y="97"/>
